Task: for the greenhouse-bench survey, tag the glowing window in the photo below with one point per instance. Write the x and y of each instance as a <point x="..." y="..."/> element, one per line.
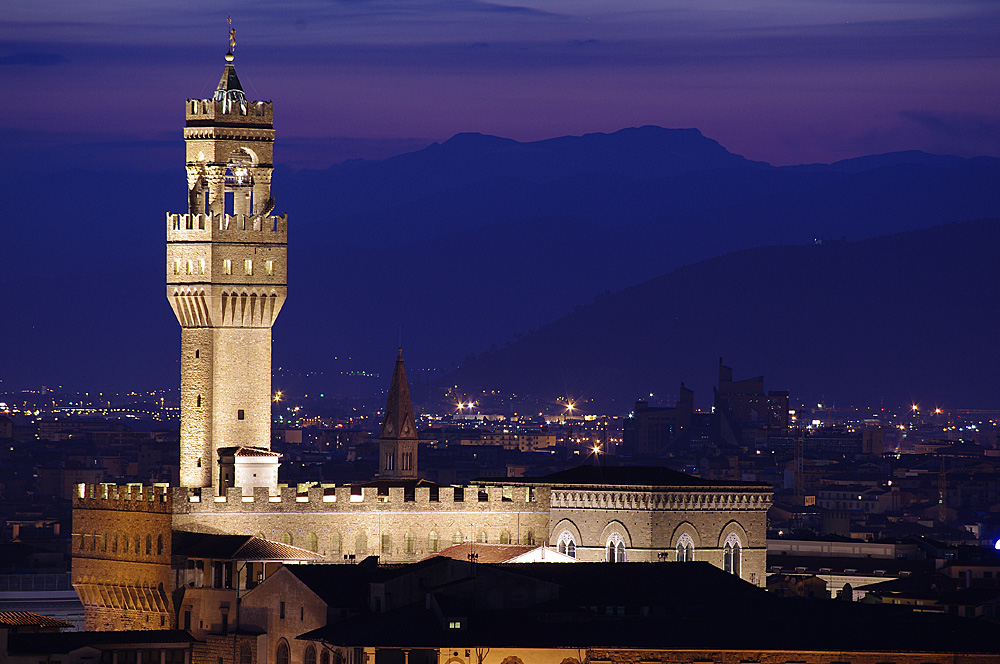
<point x="201" y="266"/>
<point x="189" y="267"/>
<point x="227" y="266"/>
<point x="177" y="267"/>
<point x="269" y="268"/>
<point x="248" y="266"/>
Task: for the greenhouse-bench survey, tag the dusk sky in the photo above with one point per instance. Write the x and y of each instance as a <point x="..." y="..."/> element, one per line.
<point x="779" y="81"/>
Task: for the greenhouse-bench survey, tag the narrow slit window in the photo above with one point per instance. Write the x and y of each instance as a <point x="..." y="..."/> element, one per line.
<point x="177" y="267"/>
<point x="227" y="266"/>
<point x="240" y="414"/>
<point x="201" y="266"/>
<point x="269" y="267"/>
<point x="248" y="266"/>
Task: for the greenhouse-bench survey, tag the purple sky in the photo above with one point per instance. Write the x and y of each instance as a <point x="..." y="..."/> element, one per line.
<point x="781" y="81"/>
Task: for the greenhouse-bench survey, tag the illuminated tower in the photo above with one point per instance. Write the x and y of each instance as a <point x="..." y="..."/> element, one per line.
<point x="397" y="442"/>
<point x="226" y="282"/>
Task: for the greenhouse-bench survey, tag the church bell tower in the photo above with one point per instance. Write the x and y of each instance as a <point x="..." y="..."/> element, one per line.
<point x="226" y="283"/>
<point x="397" y="441"/>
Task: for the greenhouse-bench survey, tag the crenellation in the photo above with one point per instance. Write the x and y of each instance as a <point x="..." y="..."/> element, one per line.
<point x="204" y="227"/>
<point x="259" y="112"/>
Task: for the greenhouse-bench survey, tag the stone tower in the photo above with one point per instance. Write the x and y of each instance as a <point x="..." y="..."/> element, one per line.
<point x="226" y="282"/>
<point x="397" y="443"/>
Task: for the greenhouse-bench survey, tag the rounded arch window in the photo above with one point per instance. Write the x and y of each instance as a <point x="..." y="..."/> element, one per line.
<point x="246" y="655"/>
<point x="335" y="544"/>
<point x="481" y="537"/>
<point x="286" y="538"/>
<point x="432" y="541"/>
<point x="732" y="554"/>
<point x="505" y="537"/>
<point x="457" y="537"/>
<point x="324" y="657"/>
<point x="312" y="542"/>
<point x="615" y="549"/>
<point x="529" y="538"/>
<point x="566" y="544"/>
<point x="410" y="543"/>
<point x="685" y="548"/>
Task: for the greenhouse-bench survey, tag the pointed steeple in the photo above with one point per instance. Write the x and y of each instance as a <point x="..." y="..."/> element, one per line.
<point x="399" y="422"/>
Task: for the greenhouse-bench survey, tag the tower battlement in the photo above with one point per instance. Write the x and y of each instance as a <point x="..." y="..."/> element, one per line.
<point x="127" y="498"/>
<point x="200" y="112"/>
<point x="204" y="227"/>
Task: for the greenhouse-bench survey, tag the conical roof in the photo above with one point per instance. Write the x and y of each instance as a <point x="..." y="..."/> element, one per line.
<point x="229" y="80"/>
<point x="399" y="422"/>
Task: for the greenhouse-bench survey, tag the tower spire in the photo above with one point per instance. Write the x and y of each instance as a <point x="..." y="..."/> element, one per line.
<point x="398" y="438"/>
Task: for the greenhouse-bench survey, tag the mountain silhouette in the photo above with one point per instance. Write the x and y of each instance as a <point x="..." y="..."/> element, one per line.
<point x="455" y="248"/>
<point x="901" y="317"/>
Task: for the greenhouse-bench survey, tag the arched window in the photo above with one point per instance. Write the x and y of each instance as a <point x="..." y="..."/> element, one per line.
<point x="685" y="548"/>
<point x="114" y="543"/>
<point x="286" y="538"/>
<point x="615" y="549"/>
<point x="432" y="541"/>
<point x="411" y="543"/>
<point x="505" y="537"/>
<point x="732" y="553"/>
<point x="529" y="538"/>
<point x="246" y="655"/>
<point x="310" y="657"/>
<point x="324" y="657"/>
<point x="386" y="544"/>
<point x="335" y="544"/>
<point x="361" y="545"/>
<point x="137" y="540"/>
<point x="566" y="544"/>
<point x="481" y="537"/>
<point x="281" y="656"/>
<point x="312" y="542"/>
<point x="457" y="537"/>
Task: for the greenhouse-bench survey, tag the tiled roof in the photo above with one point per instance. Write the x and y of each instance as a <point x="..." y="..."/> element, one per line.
<point x="236" y="547"/>
<point x="27" y="618"/>
<point x="486" y="553"/>
<point x="66" y="642"/>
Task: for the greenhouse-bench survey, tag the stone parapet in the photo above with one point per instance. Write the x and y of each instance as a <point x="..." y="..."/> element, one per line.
<point x="340" y="499"/>
<point x="127" y="498"/>
<point x="270" y="229"/>
<point x="199" y="111"/>
<point x="686" y="500"/>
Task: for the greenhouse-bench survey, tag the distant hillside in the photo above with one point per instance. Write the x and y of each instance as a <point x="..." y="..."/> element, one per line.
<point x="906" y="316"/>
<point x="452" y="249"/>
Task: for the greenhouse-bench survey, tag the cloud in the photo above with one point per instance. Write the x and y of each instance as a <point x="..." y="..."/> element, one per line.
<point x="33" y="59"/>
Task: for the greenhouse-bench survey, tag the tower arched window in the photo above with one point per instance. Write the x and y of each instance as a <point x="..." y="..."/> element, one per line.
<point x="386" y="544"/>
<point x="286" y="538"/>
<point x="312" y="542"/>
<point x="411" y="543"/>
<point x="335" y="544"/>
<point x="732" y="554"/>
<point x="281" y="655"/>
<point x="457" y="537"/>
<point x="505" y="537"/>
<point x="685" y="548"/>
<point x="149" y="545"/>
<point x="432" y="541"/>
<point x="310" y="656"/>
<point x="481" y="537"/>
